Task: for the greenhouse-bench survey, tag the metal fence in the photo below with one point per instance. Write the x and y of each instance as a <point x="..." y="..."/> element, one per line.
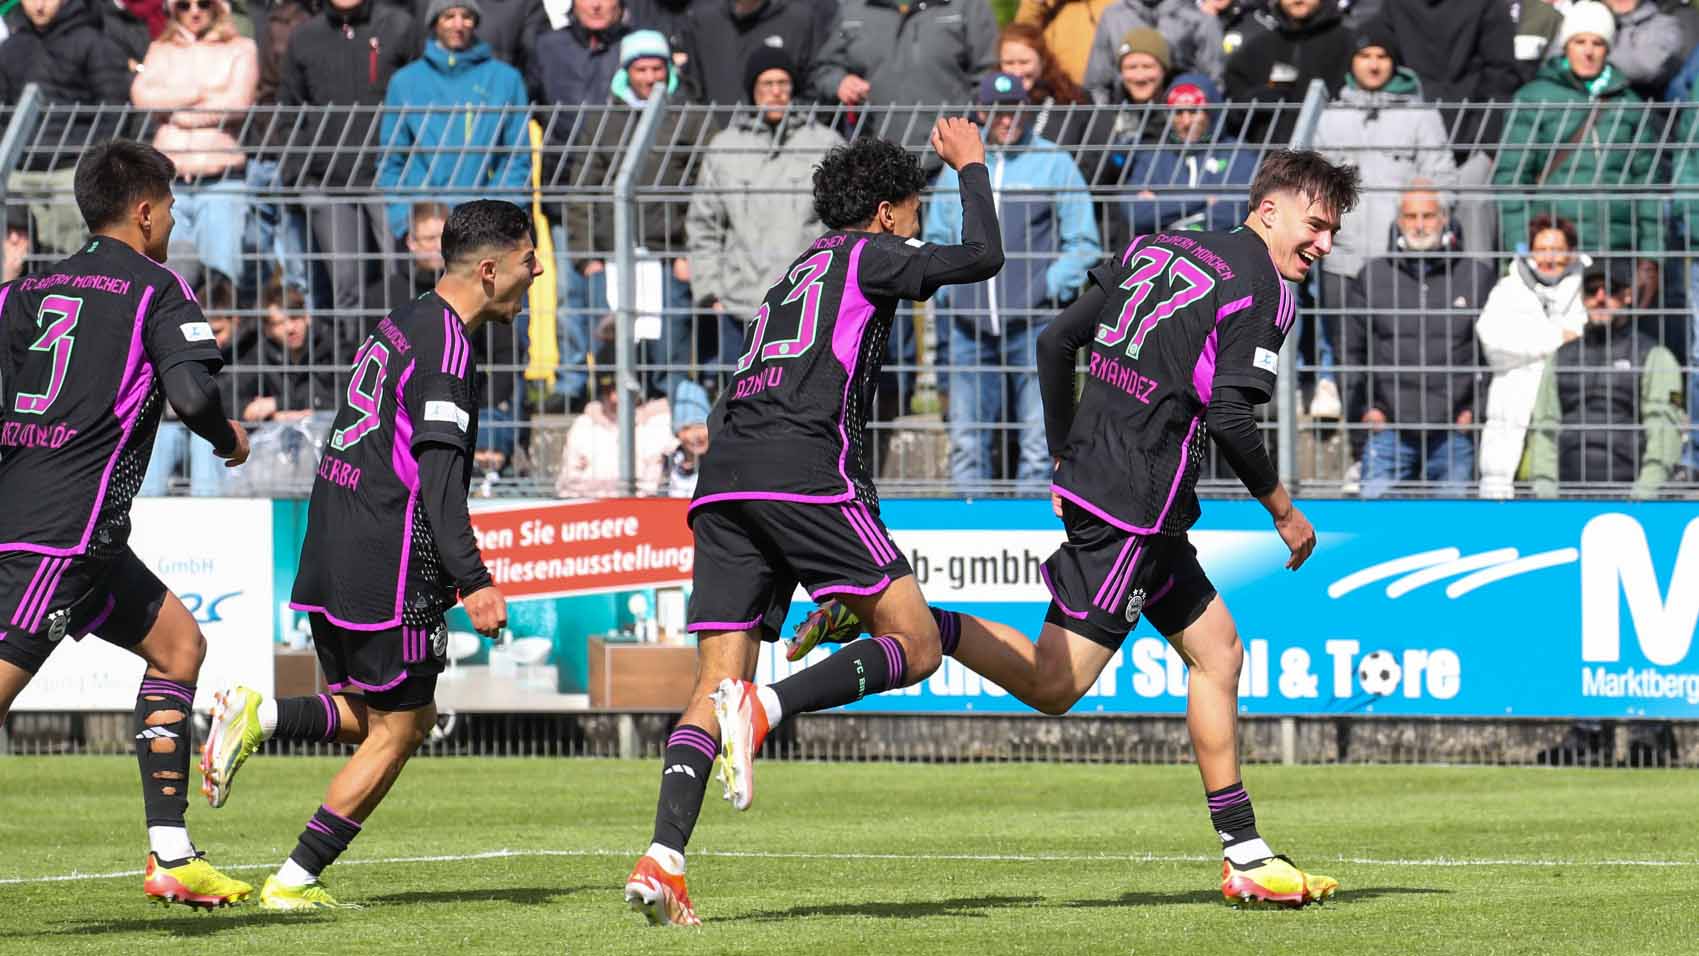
<point x="1415" y="370"/>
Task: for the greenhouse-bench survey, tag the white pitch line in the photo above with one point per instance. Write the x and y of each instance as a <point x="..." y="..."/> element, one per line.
<point x="1444" y="862"/>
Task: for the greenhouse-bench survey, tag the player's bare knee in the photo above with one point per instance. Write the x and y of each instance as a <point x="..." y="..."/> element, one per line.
<point x="1056" y="694"/>
<point x="923" y="657"/>
<point x="1220" y="658"/>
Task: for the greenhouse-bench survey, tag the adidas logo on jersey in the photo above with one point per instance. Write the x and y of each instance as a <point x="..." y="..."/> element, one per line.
<point x="156" y="733"/>
<point x="680" y="768"/>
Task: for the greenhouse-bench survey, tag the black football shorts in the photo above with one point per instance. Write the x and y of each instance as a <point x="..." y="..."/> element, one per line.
<point x="1103" y="579"/>
<point x="46" y="599"/>
<point x="395" y="669"/>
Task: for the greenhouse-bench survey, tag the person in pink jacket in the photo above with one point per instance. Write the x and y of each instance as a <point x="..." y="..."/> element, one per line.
<point x="202" y="75"/>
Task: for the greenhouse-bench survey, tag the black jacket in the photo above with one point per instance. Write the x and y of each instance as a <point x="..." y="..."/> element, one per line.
<point x="343" y="59"/>
<point x="303" y="382"/>
<point x="75" y="64"/>
<point x="1462" y="50"/>
<point x="718" y="43"/>
<point x="1277" y="67"/>
<point x="1598" y="391"/>
<point x="1407" y="312"/>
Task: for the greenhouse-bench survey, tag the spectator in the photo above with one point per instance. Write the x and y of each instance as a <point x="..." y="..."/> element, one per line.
<point x="1144" y="67"/>
<point x="645" y="64"/>
<point x="510" y="27"/>
<point x="893" y="53"/>
<point x="205" y="74"/>
<point x="296" y="361"/>
<point x="1023" y="54"/>
<point x="573" y="68"/>
<point x="339" y="62"/>
<point x="753" y="205"/>
<point x="1412" y="325"/>
<point x="681" y="466"/>
<point x="1463" y="50"/>
<point x="279" y="231"/>
<point x="1609" y="402"/>
<point x="1203" y="178"/>
<point x="1591" y="147"/>
<point x="1240" y="20"/>
<point x="16" y="245"/>
<point x="1649" y="47"/>
<point x="671" y="19"/>
<point x="1530" y="312"/>
<point x="419" y="274"/>
<point x="589" y="462"/>
<point x="1068" y="28"/>
<point x="1051" y="240"/>
<point x="1379" y="123"/>
<point x="59" y="45"/>
<point x="1309" y="42"/>
<point x="1537" y="25"/>
<point x="721" y="35"/>
<point x="1193" y="36"/>
<point x="280" y="19"/>
<point x="454" y="127"/>
<point x="173" y="442"/>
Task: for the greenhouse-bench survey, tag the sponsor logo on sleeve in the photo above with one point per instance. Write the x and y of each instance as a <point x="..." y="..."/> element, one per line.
<point x="1267" y="361"/>
<point x="196" y="332"/>
<point x="447" y="412"/>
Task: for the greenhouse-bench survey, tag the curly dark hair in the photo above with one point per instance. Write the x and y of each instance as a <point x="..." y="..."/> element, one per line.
<point x="851" y="182"/>
<point x="483" y="224"/>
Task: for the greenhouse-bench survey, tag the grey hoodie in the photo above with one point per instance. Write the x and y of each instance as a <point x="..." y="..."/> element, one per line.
<point x="752" y="210"/>
<point x="1194" y="38"/>
<point x="1392" y="137"/>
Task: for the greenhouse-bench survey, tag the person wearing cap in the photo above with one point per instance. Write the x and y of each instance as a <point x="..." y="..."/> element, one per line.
<point x="16" y="244"/>
<point x="1195" y="179"/>
<point x="721" y="36"/>
<point x="198" y="66"/>
<point x="681" y="466"/>
<point x="1309" y="41"/>
<point x="1609" y="408"/>
<point x="646" y="68"/>
<point x="1408" y="343"/>
<point x="1379" y="123"/>
<point x="1576" y="127"/>
<point x="1049" y="240"/>
<point x="1193" y="37"/>
<point x="454" y="123"/>
<point x="753" y="204"/>
<point x="340" y="63"/>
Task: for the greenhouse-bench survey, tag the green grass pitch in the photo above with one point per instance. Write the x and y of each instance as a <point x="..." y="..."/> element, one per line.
<point x="880" y="858"/>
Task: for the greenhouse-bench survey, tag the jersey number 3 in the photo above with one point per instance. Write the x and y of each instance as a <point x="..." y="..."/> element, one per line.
<point x="808" y="287"/>
<point x="59" y="315"/>
<point x="1135" y="324"/>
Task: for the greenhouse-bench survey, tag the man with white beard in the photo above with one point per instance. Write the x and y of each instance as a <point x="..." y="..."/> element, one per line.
<point x="1411" y="323"/>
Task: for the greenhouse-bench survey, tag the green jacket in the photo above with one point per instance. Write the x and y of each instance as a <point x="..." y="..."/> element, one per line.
<point x="1561" y="134"/>
<point x="1660" y="415"/>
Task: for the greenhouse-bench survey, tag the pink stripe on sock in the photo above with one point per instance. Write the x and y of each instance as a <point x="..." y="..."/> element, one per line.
<point x="339" y="816"/>
<point x="332" y="717"/>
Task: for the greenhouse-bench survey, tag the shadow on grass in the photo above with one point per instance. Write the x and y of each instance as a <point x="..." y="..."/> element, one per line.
<point x="187" y="927"/>
<point x="1213" y="897"/>
<point x="908" y="909"/>
<point x="520" y="895"/>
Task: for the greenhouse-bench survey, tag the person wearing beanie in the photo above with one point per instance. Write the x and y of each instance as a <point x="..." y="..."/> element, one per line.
<point x="752" y="206"/>
<point x="1192" y="37"/>
<point x="1578" y="94"/>
<point x="1141" y="63"/>
<point x="510" y="27"/>
<point x="1193" y="180"/>
<point x="1309" y="41"/>
<point x="722" y="36"/>
<point x="681" y="466"/>
<point x="645" y="70"/>
<point x="479" y="147"/>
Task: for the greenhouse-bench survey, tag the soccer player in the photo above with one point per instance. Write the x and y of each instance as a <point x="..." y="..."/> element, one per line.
<point x="88" y="350"/>
<point x="1185" y="331"/>
<point x="389" y="545"/>
<point x="786" y="494"/>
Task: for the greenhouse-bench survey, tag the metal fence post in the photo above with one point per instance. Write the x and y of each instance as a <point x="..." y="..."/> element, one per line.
<point x="1286" y="396"/>
<point x="625" y="257"/>
<point x="12" y="141"/>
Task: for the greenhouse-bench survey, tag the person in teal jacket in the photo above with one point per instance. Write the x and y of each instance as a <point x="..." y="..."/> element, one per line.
<point x="454" y="121"/>
<point x="1576" y="130"/>
<point x="1050" y="238"/>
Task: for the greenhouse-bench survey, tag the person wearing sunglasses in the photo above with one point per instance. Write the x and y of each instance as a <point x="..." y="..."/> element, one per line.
<point x="200" y="75"/>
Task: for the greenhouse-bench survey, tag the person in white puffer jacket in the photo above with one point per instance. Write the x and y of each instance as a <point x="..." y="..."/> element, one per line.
<point x="1531" y="311"/>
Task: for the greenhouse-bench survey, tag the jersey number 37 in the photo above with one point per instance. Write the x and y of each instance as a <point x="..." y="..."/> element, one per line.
<point x="1187" y="283"/>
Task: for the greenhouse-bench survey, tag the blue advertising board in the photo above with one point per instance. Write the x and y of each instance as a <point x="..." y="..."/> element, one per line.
<point x="1407" y="608"/>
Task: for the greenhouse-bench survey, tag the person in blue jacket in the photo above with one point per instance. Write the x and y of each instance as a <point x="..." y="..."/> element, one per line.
<point x="1195" y="179"/>
<point x="454" y="123"/>
<point x="991" y="328"/>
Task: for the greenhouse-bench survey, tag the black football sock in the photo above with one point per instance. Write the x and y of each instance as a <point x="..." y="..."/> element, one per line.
<point x="328" y="833"/>
<point x="863" y="667"/>
<point x="685" y="766"/>
<point x="162" y="751"/>
<point x="949" y="629"/>
<point x="307" y="718"/>
<point x="1236" y="824"/>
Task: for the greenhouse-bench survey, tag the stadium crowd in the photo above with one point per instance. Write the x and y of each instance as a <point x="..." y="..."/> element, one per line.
<point x="1511" y="301"/>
